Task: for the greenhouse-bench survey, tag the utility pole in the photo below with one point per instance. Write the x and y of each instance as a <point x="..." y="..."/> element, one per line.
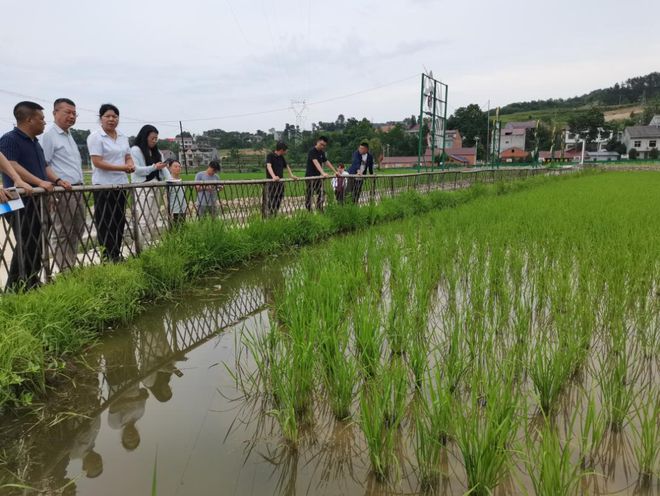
<point x="182" y="152"/>
<point x="488" y="133"/>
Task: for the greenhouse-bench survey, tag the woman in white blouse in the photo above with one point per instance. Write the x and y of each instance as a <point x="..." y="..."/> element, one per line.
<point x="149" y="166"/>
<point x="111" y="160"/>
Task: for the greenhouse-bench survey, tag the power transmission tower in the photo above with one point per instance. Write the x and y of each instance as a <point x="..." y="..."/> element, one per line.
<point x="299" y="108"/>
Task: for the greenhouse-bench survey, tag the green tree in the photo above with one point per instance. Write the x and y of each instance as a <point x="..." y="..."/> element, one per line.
<point x="472" y="122"/>
<point x="587" y="124"/>
<point x="376" y="149"/>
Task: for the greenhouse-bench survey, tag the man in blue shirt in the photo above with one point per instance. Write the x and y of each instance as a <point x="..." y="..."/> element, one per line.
<point x="361" y="164"/>
<point x="26" y="156"/>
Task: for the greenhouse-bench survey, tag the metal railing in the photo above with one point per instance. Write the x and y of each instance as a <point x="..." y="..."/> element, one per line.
<point x="87" y="225"/>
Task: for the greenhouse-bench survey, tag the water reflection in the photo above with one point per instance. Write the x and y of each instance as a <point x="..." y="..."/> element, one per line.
<point x="115" y="382"/>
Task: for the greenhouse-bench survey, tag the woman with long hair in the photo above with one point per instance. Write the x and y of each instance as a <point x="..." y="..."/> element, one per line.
<point x="149" y="166"/>
<point x="111" y="161"/>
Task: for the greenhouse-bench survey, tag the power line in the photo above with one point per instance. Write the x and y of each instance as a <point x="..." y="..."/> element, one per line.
<point x="50" y="102"/>
<point x="361" y="92"/>
<point x="174" y="122"/>
<point x="238" y="24"/>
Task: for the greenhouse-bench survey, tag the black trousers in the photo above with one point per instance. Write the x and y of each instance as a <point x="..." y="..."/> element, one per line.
<point x="110" y="219"/>
<point x="25" y="267"/>
<point x="272" y="198"/>
<point x="314" y="187"/>
<point x="354" y="189"/>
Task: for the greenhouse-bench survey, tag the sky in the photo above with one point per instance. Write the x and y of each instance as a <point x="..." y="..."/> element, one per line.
<point x="239" y="64"/>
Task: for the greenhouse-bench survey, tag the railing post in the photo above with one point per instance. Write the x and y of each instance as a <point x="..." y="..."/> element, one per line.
<point x="44" y="219"/>
<point x="18" y="239"/>
<point x="135" y="223"/>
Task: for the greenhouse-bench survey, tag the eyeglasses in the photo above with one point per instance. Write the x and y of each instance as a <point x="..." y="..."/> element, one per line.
<point x="69" y="112"/>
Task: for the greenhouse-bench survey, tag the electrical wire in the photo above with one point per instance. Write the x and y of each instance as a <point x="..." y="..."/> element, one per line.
<point x="247" y="114"/>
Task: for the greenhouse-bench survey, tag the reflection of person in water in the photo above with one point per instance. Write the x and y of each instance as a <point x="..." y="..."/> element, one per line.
<point x="128" y="399"/>
<point x="157" y="361"/>
<point x="83" y="448"/>
<point x="53" y="445"/>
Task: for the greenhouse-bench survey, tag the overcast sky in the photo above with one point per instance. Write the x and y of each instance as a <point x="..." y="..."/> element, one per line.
<point x="211" y="62"/>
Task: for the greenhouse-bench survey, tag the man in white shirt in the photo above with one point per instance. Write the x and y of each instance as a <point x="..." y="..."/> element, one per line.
<point x="68" y="215"/>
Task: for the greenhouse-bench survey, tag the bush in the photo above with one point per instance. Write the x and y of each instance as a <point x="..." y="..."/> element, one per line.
<point x="654" y="154"/>
<point x="632" y="154"/>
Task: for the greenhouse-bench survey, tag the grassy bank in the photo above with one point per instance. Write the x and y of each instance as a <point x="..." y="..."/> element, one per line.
<point x="42" y="327"/>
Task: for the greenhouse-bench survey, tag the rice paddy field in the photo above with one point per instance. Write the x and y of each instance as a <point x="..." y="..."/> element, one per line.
<point x="509" y="345"/>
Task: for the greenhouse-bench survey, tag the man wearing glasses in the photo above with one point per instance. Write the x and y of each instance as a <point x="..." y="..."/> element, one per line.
<point x="68" y="214"/>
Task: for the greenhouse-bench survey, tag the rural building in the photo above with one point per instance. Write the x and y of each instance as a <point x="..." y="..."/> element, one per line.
<point x="655" y="121"/>
<point x="641" y="138"/>
<point x="560" y="156"/>
<point x="453" y="139"/>
<point x="462" y="156"/>
<point x="514" y="154"/>
<point x="512" y="135"/>
<point x="603" y="156"/>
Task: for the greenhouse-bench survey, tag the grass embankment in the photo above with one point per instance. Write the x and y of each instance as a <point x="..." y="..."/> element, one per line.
<point x="518" y="334"/>
<point x="41" y="327"/>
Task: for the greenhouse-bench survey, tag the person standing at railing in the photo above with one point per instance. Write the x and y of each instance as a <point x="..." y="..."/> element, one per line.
<point x="274" y="190"/>
<point x="207" y="196"/>
<point x="111" y="158"/>
<point x="149" y="166"/>
<point x="23" y="150"/>
<point x="68" y="215"/>
<point x="176" y="194"/>
<point x="339" y="184"/>
<point x="316" y="160"/>
<point x="361" y="164"/>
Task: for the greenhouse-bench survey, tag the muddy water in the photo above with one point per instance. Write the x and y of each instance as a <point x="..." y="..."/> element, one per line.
<point x="159" y="396"/>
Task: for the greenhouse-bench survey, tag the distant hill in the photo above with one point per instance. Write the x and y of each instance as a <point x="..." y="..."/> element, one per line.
<point x="560" y="115"/>
<point x="633" y="92"/>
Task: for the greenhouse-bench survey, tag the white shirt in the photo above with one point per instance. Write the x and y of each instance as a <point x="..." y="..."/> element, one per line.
<point x="111" y="151"/>
<point x="363" y="164"/>
<point x="142" y="170"/>
<point x="62" y="154"/>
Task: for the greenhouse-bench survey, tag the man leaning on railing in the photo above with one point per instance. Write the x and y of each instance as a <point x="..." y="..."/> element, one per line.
<point x="68" y="214"/>
<point x="22" y="149"/>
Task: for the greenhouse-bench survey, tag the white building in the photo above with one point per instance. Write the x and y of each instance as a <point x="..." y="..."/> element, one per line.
<point x="641" y="138"/>
<point x="513" y="134"/>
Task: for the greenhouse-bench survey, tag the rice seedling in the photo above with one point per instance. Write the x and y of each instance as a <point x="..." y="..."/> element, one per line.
<point x="368" y="336"/>
<point x="340" y="373"/>
<point x="592" y="432"/>
<point x="432" y="424"/>
<point x="484" y="427"/>
<point x="379" y="436"/>
<point x="550" y="366"/>
<point x="647" y="433"/>
<point x="549" y="463"/>
<point x="618" y="378"/>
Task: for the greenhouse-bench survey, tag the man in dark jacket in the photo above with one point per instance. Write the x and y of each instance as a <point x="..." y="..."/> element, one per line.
<point x="361" y="164"/>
